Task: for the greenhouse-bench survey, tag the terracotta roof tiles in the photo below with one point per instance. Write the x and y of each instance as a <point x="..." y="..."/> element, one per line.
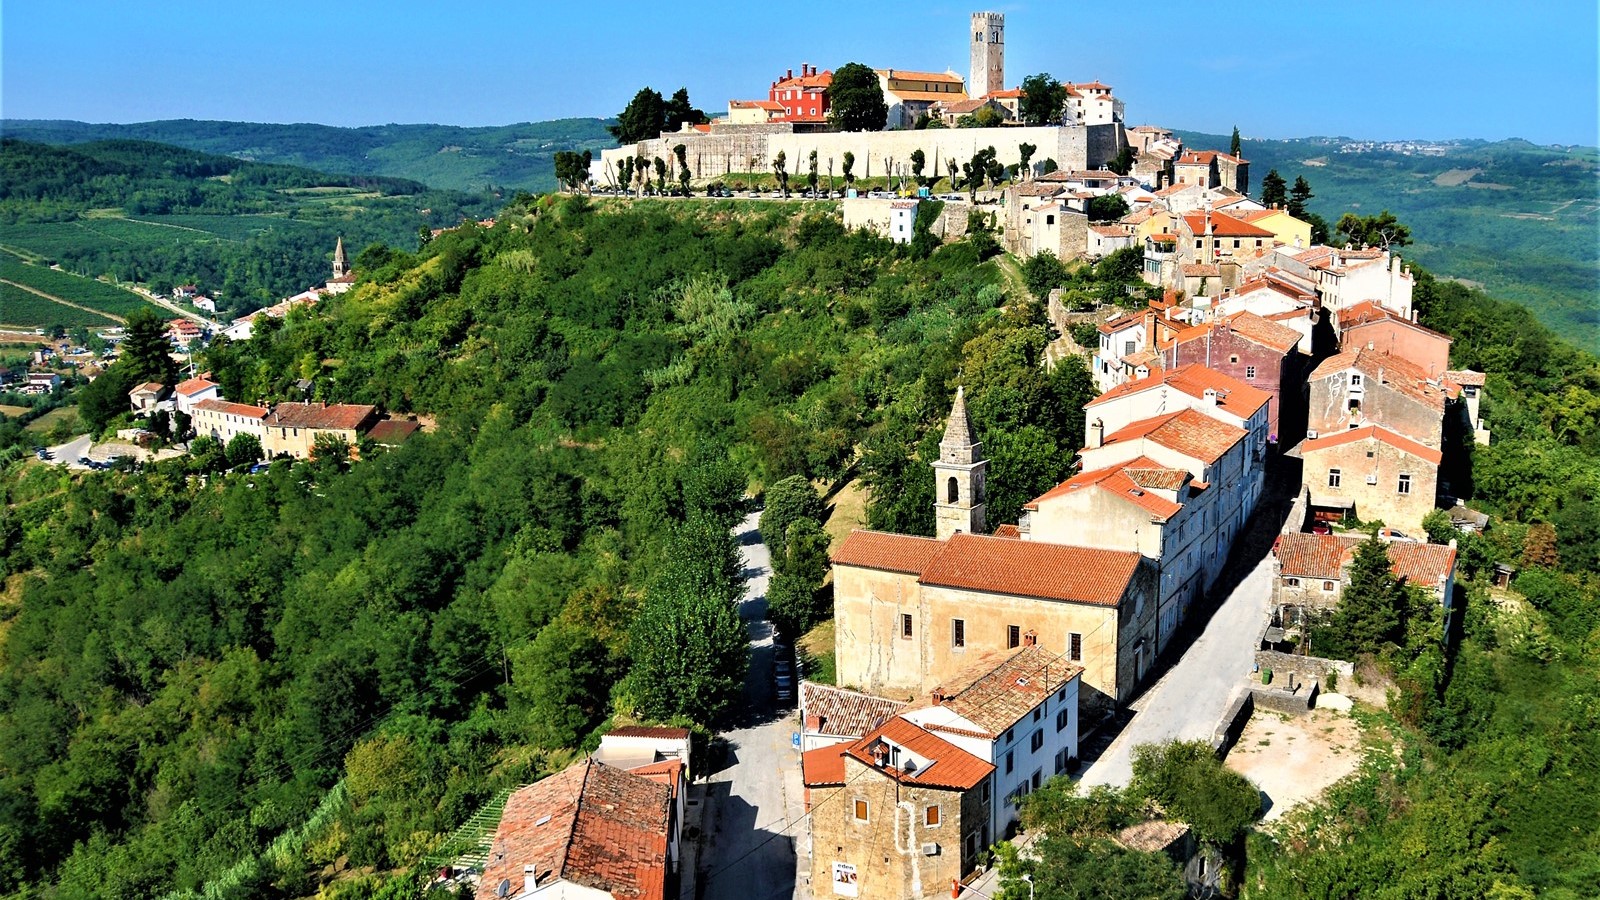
<point x="843" y="713"/>
<point x="1233" y="395"/>
<point x="824" y="766"/>
<point x="1326" y="555"/>
<point x="336" y="416"/>
<point x="1371" y="432"/>
<point x="891" y="552"/>
<point x="1223" y="225"/>
<point x="994" y="693"/>
<point x="1190" y="432"/>
<point x="1033" y="569"/>
<point x="234" y="409"/>
<point x="1395" y="372"/>
<point x="1118" y="482"/>
<point x="949" y="767"/>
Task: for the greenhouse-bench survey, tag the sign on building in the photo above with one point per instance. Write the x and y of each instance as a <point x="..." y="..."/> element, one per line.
<point x="844" y="880"/>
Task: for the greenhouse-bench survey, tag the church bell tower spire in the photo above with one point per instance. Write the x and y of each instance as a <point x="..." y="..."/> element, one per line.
<point x="958" y="476"/>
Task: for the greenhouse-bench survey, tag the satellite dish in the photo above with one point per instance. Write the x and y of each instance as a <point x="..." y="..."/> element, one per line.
<point x="504" y="889"/>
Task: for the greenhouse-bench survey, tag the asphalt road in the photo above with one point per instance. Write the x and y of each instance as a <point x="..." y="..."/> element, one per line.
<point x="756" y="800"/>
<point x="67" y="454"/>
<point x="1190" y="699"/>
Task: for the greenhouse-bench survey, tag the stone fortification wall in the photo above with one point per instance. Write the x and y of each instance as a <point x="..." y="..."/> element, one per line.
<point x="751" y="148"/>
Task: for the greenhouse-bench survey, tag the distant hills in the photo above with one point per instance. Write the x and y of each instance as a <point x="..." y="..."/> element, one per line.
<point x="514" y="157"/>
<point x="1519" y="219"/>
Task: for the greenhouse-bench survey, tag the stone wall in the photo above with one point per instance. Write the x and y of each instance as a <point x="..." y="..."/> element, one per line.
<point x="1288" y="668"/>
<point x="750" y="148"/>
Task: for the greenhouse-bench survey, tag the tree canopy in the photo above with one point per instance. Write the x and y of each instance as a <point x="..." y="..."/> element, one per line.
<point x="644" y="117"/>
<point x="855" y="99"/>
<point x="1043" y="99"/>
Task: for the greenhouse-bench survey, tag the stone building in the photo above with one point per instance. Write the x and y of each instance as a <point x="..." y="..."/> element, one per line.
<point x="224" y="421"/>
<point x="293" y="429"/>
<point x="958" y="476"/>
<point x="1311" y="571"/>
<point x="988" y="54"/>
<point x="1210" y="169"/>
<point x="1373" y="474"/>
<point x="1369" y="325"/>
<point x="1256" y="352"/>
<point x="899" y="815"/>
<point x="1362" y="387"/>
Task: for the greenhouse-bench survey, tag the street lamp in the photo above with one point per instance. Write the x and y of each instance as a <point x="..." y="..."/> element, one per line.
<point x="1029" y="879"/>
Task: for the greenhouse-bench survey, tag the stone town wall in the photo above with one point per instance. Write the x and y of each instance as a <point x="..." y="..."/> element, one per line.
<point x="752" y="148"/>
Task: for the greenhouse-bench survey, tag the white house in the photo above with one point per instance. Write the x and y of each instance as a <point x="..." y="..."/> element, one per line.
<point x="192" y="391"/>
<point x="1017" y="710"/>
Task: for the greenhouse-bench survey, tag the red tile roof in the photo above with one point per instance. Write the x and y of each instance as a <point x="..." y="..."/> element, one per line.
<point x="1369" y="311"/>
<point x="1007" y="531"/>
<point x="907" y="75"/>
<point x="824" y="766"/>
<point x="881" y="550"/>
<point x="1000" y="689"/>
<point x="194" y="386"/>
<point x="1325" y="556"/>
<point x="949" y="767"/>
<point x="1394" y="372"/>
<point x="234" y="409"/>
<point x="1265" y="332"/>
<point x="1233" y="396"/>
<point x="1374" y="433"/>
<point x="842" y="713"/>
<point x="1116" y="482"/>
<point x="1190" y="432"/>
<point x="1465" y="377"/>
<point x="1200" y="270"/>
<point x="1223" y="225"/>
<point x="338" y="416"/>
<point x="591" y="825"/>
<point x="149" y="387"/>
<point x="1033" y="569"/>
<point x="393" y="431"/>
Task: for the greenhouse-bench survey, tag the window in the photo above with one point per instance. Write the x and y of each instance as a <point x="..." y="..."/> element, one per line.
<point x="1291" y="582"/>
<point x="1011" y="761"/>
<point x="1249" y="371"/>
<point x="1036" y="779"/>
<point x="1037" y="712"/>
<point x="1013" y="636"/>
<point x="1050" y="219"/>
<point x="861" y="810"/>
<point x="1062" y="717"/>
<point x="1370" y="454"/>
<point x="930" y="817"/>
<point x="1061" y="695"/>
<point x="1063" y="760"/>
<point x="1010" y="734"/>
<point x="1235" y="243"/>
<point x="1327" y="587"/>
<point x="1355" y="380"/>
<point x="1037" y="741"/>
<point x="1128" y="347"/>
<point x="1075" y="647"/>
<point x="952" y="491"/>
<point x="958" y="633"/>
<point x="1404" y="487"/>
<point x="1333" y="478"/>
<point x="905" y="625"/>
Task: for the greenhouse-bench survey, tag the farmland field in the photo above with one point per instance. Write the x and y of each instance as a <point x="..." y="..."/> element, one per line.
<point x="87" y="291"/>
<point x="18" y="307"/>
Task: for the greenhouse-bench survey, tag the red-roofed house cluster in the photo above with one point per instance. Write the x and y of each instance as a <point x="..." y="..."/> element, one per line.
<point x="943" y="775"/>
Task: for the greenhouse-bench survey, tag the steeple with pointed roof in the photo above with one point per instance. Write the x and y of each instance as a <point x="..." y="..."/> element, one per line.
<point x="959" y="492"/>
<point x="341" y="266"/>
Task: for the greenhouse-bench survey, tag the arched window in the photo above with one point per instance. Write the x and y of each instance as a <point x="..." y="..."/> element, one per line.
<point x="952" y="491"/>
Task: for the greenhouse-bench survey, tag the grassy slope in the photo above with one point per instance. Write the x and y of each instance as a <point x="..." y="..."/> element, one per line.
<point x="1525" y="225"/>
<point x="518" y="157"/>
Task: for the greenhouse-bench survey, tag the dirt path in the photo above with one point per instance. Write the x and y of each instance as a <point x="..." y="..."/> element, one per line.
<point x="54" y="299"/>
<point x="1294" y="759"/>
<point x="1016" y="285"/>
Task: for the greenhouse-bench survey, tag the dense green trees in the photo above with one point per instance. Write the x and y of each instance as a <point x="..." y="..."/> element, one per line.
<point x="643" y="119"/>
<point x="855" y="99"/>
<point x="1043" y="99"/>
<point x="1381" y="230"/>
<point x="1274" y="190"/>
<point x="1107" y="208"/>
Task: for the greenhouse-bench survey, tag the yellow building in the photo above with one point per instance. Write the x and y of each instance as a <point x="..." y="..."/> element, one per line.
<point x="1286" y="229"/>
<point x="294" y="428"/>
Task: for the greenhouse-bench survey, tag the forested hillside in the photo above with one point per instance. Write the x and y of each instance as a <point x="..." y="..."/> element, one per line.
<point x="350" y="657"/>
<point x="247" y="233"/>
<point x="505" y="157"/>
<point x="1519" y="220"/>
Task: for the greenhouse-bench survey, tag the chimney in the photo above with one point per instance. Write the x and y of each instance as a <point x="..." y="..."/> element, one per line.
<point x="530" y="878"/>
<point x="937" y="696"/>
<point x="1370" y="346"/>
<point x="1097" y="433"/>
<point x="1211" y="396"/>
<point x="879" y="754"/>
<point x="1413" y="316"/>
<point x="788" y="74"/>
<point x="1030" y="638"/>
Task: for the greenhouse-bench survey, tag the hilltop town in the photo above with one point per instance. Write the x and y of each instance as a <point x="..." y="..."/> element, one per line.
<point x="897" y="485"/>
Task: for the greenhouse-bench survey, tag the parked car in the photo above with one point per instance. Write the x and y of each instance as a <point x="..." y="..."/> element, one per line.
<point x="1391" y="535"/>
<point x="783" y="686"/>
<point x="43" y="454"/>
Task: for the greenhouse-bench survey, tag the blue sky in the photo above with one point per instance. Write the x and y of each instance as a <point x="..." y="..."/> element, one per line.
<point x="1397" y="69"/>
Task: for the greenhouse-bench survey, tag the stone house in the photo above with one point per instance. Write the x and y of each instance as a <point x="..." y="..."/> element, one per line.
<point x="910" y="612"/>
<point x="1311" y="571"/>
<point x="589" y="831"/>
<point x="293" y="428"/>
<point x="1188" y="386"/>
<point x="1016" y="709"/>
<point x="1373" y="474"/>
<point x="1208" y="237"/>
<point x="1370" y="325"/>
<point x="1362" y="387"/>
<point x="1039" y="217"/>
<point x="224" y="421"/>
<point x="1253" y="351"/>
<point x="660" y="754"/>
<point x="900" y="814"/>
<point x="911" y="95"/>
<point x="1210" y="169"/>
<point x="1128" y="346"/>
<point x="1105" y="240"/>
<point x="145" y="398"/>
<point x="833" y="715"/>
<point x="754" y="112"/>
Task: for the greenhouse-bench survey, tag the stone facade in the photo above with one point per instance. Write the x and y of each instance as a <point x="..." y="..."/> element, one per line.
<point x="1279" y="372"/>
<point x="1374" y="476"/>
<point x="958" y="476"/>
<point x="988" y="54"/>
<point x="884" y="857"/>
<point x="752" y="148"/>
<point x="1352" y="390"/>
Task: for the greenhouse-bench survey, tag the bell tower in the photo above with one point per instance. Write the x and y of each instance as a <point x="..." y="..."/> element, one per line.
<point x="341" y="266"/>
<point x="958" y="476"/>
<point x="988" y="54"/>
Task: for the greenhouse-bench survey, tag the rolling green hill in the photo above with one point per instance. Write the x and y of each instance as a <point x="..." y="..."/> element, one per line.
<point x="1520" y="220"/>
<point x="247" y="233"/>
<point x="514" y="157"/>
